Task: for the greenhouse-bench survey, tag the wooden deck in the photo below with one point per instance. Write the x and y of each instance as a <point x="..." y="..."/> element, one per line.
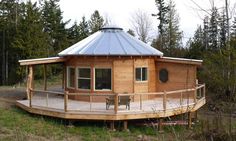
<point x="60" y="106"/>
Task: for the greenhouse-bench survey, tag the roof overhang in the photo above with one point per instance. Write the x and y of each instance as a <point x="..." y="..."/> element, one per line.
<point x="180" y="60"/>
<point x="39" y="61"/>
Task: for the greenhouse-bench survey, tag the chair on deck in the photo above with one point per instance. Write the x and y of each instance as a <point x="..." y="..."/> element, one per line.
<point x="123" y="100"/>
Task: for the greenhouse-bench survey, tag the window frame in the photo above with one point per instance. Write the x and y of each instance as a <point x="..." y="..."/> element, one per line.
<point x="77" y="78"/>
<point x="94" y="79"/>
<point x="141" y="81"/>
<point x="167" y="75"/>
<point x="67" y="77"/>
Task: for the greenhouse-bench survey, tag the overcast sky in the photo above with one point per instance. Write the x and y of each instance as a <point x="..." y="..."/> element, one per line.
<point x="120" y="11"/>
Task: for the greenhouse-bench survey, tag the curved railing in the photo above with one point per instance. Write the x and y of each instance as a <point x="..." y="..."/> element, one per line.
<point x="139" y="102"/>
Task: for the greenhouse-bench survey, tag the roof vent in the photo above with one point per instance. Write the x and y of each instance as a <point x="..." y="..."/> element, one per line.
<point x="111" y="28"/>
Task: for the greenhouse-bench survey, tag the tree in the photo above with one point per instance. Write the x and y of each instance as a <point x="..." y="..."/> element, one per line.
<point x="172" y="35"/>
<point x="10" y="11"/>
<point x="54" y="26"/>
<point x="196" y="47"/>
<point x="213" y="30"/>
<point x="78" y="32"/>
<point x="131" y="32"/>
<point x="96" y="22"/>
<point x="169" y="40"/>
<point x="29" y="41"/>
<point x="142" y="25"/>
<point x="161" y="16"/>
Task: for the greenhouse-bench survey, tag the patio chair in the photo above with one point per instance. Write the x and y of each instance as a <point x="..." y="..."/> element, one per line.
<point x="110" y="101"/>
<point x="123" y="100"/>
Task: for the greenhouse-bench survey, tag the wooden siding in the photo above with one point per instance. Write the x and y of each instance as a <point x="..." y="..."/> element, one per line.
<point x="181" y="76"/>
<point x="123" y="76"/>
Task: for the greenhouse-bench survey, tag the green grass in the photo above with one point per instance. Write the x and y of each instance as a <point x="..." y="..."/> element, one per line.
<point x="16" y="124"/>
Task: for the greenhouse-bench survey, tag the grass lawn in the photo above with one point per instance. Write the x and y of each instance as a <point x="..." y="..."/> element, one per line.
<point x="16" y="124"/>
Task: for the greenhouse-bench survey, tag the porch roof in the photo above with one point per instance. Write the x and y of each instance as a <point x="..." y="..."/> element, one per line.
<point x="41" y="61"/>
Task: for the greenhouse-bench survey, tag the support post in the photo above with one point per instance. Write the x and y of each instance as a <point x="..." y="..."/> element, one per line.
<point x="112" y="125"/>
<point x="189" y="120"/>
<point x="164" y="101"/>
<point x="30" y="81"/>
<point x="65" y="101"/>
<point x="126" y="125"/>
<point x="30" y="85"/>
<point x="160" y="121"/>
<point x="116" y="103"/>
<point x="63" y="77"/>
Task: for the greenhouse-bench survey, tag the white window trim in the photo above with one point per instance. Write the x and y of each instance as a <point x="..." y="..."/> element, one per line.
<point x="94" y="79"/>
<point x="67" y="76"/>
<point x="141" y="81"/>
<point x="77" y="77"/>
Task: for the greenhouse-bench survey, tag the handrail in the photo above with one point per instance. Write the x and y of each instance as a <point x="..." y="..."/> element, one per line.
<point x="198" y="93"/>
<point x="49" y="92"/>
<point x="124" y="94"/>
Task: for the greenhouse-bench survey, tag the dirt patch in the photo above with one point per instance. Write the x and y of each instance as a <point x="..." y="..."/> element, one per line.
<point x="12" y="93"/>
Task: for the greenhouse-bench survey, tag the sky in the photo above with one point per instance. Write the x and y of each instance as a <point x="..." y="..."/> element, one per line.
<point x="119" y="12"/>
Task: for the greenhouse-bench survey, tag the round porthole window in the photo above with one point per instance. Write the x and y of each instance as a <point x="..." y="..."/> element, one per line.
<point x="163" y="75"/>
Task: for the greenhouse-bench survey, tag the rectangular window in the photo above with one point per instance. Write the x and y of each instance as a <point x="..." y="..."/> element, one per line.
<point x="70" y="77"/>
<point x="141" y="74"/>
<point x="102" y="79"/>
<point x="84" y="78"/>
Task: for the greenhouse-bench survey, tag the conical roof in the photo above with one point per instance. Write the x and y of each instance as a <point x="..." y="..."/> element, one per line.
<point x="111" y="41"/>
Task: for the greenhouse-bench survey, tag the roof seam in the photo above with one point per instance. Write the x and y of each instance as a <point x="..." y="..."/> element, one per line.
<point x="121" y="44"/>
<point x="131" y="44"/>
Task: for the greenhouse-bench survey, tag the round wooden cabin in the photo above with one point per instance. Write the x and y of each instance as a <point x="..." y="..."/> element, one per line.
<point x="110" y="61"/>
<point x="110" y="65"/>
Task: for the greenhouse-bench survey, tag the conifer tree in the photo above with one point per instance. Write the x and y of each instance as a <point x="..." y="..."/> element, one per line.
<point x="54" y="26"/>
<point x="96" y="22"/>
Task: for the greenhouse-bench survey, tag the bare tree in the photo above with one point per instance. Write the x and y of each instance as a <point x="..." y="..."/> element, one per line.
<point x="142" y="25"/>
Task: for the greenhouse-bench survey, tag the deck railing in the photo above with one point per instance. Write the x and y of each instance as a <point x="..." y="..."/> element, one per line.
<point x="140" y="102"/>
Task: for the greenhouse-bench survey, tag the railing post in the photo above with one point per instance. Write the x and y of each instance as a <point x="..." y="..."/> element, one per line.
<point x="47" y="100"/>
<point x="65" y="100"/>
<point x="30" y="97"/>
<point x="164" y="100"/>
<point x="141" y="101"/>
<point x="90" y="104"/>
<point x="195" y="95"/>
<point x="181" y="99"/>
<point x="204" y="90"/>
<point x="116" y="103"/>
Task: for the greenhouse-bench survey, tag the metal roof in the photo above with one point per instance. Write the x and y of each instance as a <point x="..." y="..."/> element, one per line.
<point x="111" y="41"/>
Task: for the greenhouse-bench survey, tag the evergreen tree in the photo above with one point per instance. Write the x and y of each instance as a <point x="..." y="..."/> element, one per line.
<point x="96" y="22"/>
<point x="78" y="32"/>
<point x="29" y="41"/>
<point x="83" y="29"/>
<point x="54" y="26"/>
<point x="213" y="31"/>
<point x="162" y="12"/>
<point x="222" y="30"/>
<point x="172" y="39"/>
<point x="196" y="45"/>
<point x="169" y="40"/>
<point x="10" y="12"/>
